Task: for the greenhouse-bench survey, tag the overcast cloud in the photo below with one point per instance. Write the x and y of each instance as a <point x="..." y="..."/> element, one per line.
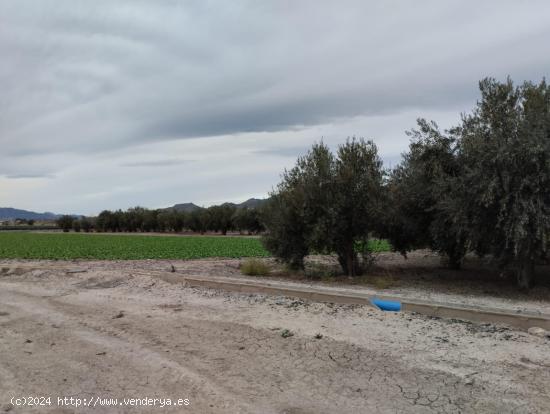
<point x="112" y="104"/>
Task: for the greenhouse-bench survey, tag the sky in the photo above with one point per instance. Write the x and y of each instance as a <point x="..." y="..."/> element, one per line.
<point x="115" y="104"/>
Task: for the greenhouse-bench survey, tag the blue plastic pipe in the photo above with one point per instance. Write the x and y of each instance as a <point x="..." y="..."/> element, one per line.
<point x="387" y="305"/>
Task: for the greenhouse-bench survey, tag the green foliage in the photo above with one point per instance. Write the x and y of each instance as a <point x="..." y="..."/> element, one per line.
<point x="254" y="267"/>
<point x="326" y="203"/>
<point x="503" y="196"/>
<point x="76" y="226"/>
<point x="378" y="246"/>
<point x="221" y="218"/>
<point x="295" y="214"/>
<point x="285" y="237"/>
<point x="419" y="195"/>
<point x="247" y="219"/>
<point x="86" y="224"/>
<point x="123" y="247"/>
<point x="65" y="223"/>
<point x="198" y="221"/>
<point x="355" y="201"/>
<point x="483" y="186"/>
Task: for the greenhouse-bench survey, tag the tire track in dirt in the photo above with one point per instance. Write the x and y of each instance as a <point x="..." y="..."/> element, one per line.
<point x="82" y="341"/>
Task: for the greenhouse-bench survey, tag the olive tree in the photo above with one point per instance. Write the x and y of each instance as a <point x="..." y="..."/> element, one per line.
<point x="504" y="191"/>
<point x="86" y="224"/>
<point x="290" y="214"/>
<point x="355" y="201"/>
<point x="421" y="210"/>
<point x="247" y="219"/>
<point x="285" y="236"/>
<point x="77" y="226"/>
<point x="221" y="218"/>
<point x="65" y="222"/>
<point x="326" y="203"/>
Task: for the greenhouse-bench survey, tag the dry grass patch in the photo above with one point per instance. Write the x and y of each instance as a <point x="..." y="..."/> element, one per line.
<point x="254" y="267"/>
<point x="380" y="282"/>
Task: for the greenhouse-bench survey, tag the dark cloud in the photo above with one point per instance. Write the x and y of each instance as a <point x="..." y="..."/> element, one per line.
<point x="93" y="77"/>
<point x="30" y="175"/>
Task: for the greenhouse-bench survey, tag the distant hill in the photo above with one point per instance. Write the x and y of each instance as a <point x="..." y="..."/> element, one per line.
<point x="189" y="207"/>
<point x="185" y="207"/>
<point x="252" y="203"/>
<point x="8" y="213"/>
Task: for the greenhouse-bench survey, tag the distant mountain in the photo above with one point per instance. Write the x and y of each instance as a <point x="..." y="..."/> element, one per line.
<point x="189" y="207"/>
<point x="185" y="207"/>
<point x="9" y="213"/>
<point x="252" y="203"/>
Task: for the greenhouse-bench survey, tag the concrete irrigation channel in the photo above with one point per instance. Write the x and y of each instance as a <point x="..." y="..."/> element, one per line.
<point x="522" y="321"/>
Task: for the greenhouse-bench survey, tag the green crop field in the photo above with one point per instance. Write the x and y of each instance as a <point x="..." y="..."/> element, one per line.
<point x="97" y="246"/>
<point x="14" y="245"/>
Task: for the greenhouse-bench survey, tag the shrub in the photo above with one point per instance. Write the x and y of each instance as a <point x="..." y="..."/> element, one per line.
<point x="254" y="267"/>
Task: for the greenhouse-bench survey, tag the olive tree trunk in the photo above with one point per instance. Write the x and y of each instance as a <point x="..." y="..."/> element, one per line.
<point x="526" y="274"/>
<point x="348" y="261"/>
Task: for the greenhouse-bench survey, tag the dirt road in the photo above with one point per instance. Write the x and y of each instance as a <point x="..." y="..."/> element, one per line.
<point x="110" y="332"/>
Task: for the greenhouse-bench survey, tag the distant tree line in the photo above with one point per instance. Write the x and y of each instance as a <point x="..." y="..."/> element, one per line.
<point x="219" y="219"/>
<point x="483" y="187"/>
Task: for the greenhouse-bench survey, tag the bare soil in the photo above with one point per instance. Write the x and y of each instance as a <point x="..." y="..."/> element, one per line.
<point x="110" y="329"/>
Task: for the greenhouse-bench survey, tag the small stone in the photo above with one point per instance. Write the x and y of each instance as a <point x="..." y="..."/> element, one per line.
<point x="536" y="331"/>
<point x="119" y="315"/>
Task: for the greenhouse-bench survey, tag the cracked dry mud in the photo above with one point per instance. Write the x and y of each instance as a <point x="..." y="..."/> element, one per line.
<point x="111" y="332"/>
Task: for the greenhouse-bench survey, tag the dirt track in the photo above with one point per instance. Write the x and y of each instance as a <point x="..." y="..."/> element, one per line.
<point x="110" y="332"/>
